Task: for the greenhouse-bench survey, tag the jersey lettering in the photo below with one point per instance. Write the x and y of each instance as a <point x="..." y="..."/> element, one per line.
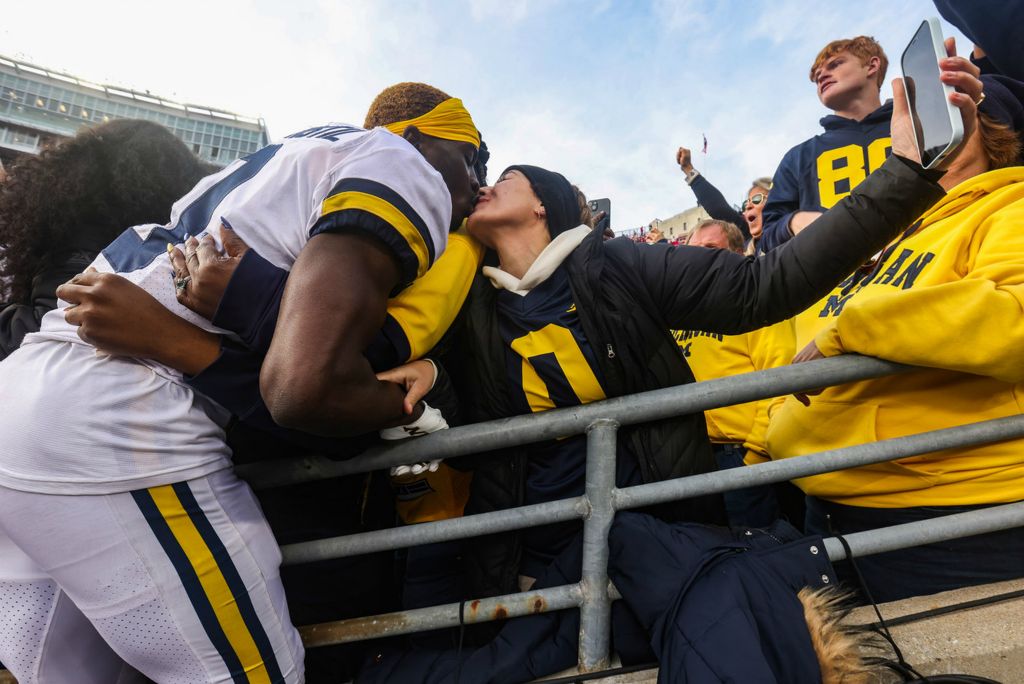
<point x="834" y="305"/>
<point x="894" y="268"/>
<point x="842" y="169"/>
<point x="130" y="252"/>
<point x="906" y="279"/>
<point x="558" y="341"/>
<point x="331" y="132"/>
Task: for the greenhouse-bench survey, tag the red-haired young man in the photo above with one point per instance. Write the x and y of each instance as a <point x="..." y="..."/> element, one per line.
<point x="817" y="173"/>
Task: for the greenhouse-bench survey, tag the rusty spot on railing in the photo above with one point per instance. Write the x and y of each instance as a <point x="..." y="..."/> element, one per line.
<point x="374" y="627"/>
<point x="354" y="629"/>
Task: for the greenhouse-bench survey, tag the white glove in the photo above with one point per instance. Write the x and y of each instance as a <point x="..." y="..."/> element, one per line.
<point x="416" y="468"/>
<point x="429" y="421"/>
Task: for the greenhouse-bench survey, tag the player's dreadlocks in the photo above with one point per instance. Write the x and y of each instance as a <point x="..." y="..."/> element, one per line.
<point x="403" y="101"/>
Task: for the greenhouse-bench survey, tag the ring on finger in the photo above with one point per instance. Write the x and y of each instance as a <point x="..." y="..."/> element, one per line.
<point x="981" y="98"/>
<point x="181" y="283"/>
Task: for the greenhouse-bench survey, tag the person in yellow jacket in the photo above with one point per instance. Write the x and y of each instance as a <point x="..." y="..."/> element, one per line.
<point x="737" y="432"/>
<point x="947" y="297"/>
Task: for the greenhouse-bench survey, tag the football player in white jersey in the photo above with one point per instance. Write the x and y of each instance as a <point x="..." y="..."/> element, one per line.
<point x="121" y="523"/>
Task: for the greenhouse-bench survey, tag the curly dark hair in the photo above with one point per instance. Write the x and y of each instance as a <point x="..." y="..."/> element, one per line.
<point x="83" y="192"/>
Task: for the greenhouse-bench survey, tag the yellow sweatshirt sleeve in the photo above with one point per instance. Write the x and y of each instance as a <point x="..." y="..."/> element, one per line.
<point x="770" y="347"/>
<point x="426" y="309"/>
<point x="974" y="324"/>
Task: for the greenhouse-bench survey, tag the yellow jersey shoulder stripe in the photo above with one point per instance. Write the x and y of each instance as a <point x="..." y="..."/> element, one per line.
<point x="420" y="315"/>
<point x="398" y="219"/>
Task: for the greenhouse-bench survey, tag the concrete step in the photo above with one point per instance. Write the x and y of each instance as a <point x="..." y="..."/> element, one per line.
<point x="986" y="640"/>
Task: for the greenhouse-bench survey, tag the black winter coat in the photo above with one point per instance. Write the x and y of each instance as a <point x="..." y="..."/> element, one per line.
<point x="628" y="296"/>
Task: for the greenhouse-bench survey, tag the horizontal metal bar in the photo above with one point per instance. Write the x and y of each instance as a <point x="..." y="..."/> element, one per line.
<point x="984" y="432"/>
<point x="428" y="533"/>
<point x="438" y="617"/>
<point x="569" y="596"/>
<point x="929" y="531"/>
<point x="658" y="492"/>
<point x="628" y="410"/>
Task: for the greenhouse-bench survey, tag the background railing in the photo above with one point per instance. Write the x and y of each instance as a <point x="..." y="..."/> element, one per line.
<point x="593" y="594"/>
<point x="601" y="499"/>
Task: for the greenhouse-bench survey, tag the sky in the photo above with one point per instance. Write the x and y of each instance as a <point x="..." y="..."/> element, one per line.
<point x="601" y="91"/>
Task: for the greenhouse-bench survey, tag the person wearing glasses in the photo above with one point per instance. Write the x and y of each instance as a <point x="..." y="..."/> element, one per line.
<point x="747" y="219"/>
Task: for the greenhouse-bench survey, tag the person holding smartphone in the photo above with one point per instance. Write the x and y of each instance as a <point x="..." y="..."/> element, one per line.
<point x="605" y="308"/>
<point x="946" y="296"/>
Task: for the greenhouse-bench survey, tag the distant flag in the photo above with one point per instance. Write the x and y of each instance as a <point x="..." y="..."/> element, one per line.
<point x="705" y="149"/>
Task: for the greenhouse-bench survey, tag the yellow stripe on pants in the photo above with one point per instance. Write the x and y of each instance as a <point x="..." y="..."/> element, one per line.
<point x="212" y="580"/>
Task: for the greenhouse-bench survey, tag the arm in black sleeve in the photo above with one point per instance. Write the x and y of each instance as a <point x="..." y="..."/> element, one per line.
<point x="249" y="309"/>
<point x="720" y="291"/>
<point x="714" y="202"/>
<point x="16" y="321"/>
<point x="233" y="381"/>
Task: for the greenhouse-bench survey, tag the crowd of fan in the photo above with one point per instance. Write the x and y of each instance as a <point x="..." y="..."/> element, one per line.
<point x="920" y="267"/>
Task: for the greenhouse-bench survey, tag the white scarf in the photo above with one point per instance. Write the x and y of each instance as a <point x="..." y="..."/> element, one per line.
<point x="543" y="266"/>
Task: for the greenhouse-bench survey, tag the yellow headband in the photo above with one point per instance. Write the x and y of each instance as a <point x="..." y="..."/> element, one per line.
<point x="448" y="120"/>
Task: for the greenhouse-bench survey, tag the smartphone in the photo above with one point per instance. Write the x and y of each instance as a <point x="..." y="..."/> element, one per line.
<point x="604" y="204"/>
<point x="938" y="126"/>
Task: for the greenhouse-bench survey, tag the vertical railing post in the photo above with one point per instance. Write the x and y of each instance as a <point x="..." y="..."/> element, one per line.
<point x="596" y="606"/>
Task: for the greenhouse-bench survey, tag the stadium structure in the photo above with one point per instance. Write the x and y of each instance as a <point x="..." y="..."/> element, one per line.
<point x="39" y="105"/>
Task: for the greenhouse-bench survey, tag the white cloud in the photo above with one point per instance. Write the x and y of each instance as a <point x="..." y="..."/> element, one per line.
<point x="604" y="92"/>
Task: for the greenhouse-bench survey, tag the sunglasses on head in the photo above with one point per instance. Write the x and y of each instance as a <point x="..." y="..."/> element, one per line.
<point x="755" y="200"/>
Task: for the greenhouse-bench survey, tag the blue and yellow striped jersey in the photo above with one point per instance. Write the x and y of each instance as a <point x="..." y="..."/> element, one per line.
<point x="550" y="363"/>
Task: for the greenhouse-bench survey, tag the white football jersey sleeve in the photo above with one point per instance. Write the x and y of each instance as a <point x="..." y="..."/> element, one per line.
<point x="73" y="420"/>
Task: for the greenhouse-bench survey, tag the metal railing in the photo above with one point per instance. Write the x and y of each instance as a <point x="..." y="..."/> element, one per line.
<point x="601" y="499"/>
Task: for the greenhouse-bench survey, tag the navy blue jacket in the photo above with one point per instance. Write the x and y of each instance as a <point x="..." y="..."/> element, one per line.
<point x="817" y="173"/>
<point x="525" y="649"/>
<point x="720" y="605"/>
<point x="994" y="25"/>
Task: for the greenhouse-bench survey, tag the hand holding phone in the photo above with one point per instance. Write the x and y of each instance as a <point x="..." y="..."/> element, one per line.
<point x="602" y="205"/>
<point x="934" y="107"/>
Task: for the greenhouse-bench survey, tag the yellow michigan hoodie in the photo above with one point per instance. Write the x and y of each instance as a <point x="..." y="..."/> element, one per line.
<point x="713" y="356"/>
<point x="948" y="296"/>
